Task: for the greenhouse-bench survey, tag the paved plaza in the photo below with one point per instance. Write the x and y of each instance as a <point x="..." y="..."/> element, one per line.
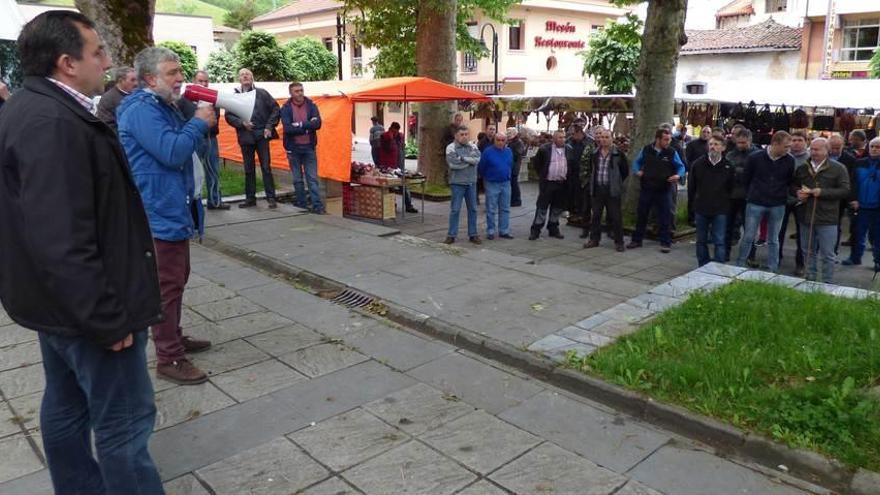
<point x="307" y="396"/>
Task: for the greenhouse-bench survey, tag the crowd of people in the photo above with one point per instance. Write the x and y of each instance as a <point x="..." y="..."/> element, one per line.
<point x="738" y="193"/>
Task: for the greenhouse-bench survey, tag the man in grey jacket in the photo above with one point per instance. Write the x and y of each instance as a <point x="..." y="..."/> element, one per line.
<point x="462" y="158"/>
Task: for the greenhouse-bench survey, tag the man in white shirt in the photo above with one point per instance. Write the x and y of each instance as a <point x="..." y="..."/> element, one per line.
<point x="551" y="164"/>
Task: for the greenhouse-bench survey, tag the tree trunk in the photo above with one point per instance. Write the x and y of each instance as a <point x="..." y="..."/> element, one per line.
<point x="126" y="26"/>
<point x="435" y="58"/>
<point x="655" y="80"/>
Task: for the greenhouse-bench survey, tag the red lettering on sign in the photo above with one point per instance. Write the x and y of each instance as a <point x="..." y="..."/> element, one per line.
<point x="541" y="42"/>
<point x="555" y="27"/>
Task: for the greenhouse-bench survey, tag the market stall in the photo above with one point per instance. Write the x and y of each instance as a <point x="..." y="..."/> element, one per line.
<point x="336" y="100"/>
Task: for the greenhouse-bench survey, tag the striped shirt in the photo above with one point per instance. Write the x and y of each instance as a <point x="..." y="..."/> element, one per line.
<point x="558" y="165"/>
<point x="80" y="98"/>
<point x="602" y="170"/>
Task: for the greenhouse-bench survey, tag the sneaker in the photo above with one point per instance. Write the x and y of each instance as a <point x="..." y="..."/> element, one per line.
<point x="248" y="204"/>
<point x="491" y="237"/>
<point x="506" y="236"/>
<point x="319" y="212"/>
<point x="181" y="372"/>
<point x="633" y="245"/>
<point x="192" y="346"/>
<point x="411" y="209"/>
<point x="665" y="248"/>
<point x="533" y="236"/>
<point x="752" y="263"/>
<point x="591" y="244"/>
<point x="475" y="239"/>
<point x="557" y="235"/>
<point x="619" y="247"/>
<point x="850" y="262"/>
<point x="760" y="243"/>
<point x="518" y="203"/>
<point x="449" y="240"/>
<point x="221" y="206"/>
<point x="272" y="204"/>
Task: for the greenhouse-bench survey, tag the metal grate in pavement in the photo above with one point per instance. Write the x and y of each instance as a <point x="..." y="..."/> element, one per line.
<point x="352" y="299"/>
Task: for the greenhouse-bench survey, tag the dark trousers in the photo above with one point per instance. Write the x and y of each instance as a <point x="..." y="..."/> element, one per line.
<point x="867" y="223"/>
<point x="261" y="148"/>
<point x="736" y="216"/>
<point x="515" y="194"/>
<point x="661" y="201"/>
<point x="552" y="197"/>
<point x="603" y="201"/>
<point x="374" y="151"/>
<point x="799" y="252"/>
<point x="710" y="229"/>
<point x="172" y="259"/>
<point x="89" y="388"/>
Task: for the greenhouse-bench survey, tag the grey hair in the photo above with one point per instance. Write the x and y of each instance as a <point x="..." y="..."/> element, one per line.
<point x="202" y="71"/>
<point x="146" y="63"/>
<point x="836" y="137"/>
<point x="821" y="140"/>
<point x="120" y="73"/>
<point x="874" y="142"/>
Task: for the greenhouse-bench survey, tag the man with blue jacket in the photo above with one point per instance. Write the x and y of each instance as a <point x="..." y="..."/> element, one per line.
<point x="865" y="202"/>
<point x="161" y="146"/>
<point x="495" y="165"/>
<point x="301" y="121"/>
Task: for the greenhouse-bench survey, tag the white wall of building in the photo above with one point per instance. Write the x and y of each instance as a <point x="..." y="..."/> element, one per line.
<point x="195" y="31"/>
<point x="778" y="65"/>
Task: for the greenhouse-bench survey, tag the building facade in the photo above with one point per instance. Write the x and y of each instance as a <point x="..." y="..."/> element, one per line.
<point x="195" y="31"/>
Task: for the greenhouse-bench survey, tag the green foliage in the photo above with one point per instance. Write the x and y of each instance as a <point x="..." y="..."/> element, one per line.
<point x="613" y="56"/>
<point x="309" y="60"/>
<point x="259" y="52"/>
<point x="391" y="27"/>
<point x="240" y="16"/>
<point x="10" y="67"/>
<point x="188" y="61"/>
<point x="875" y="64"/>
<point x="791" y="365"/>
<point x="222" y="66"/>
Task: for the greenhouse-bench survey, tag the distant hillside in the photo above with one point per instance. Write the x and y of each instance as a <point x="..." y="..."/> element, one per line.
<point x="215" y="9"/>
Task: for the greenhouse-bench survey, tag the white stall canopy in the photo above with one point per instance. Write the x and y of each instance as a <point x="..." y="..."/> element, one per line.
<point x="11" y="20"/>
<point x="835" y="93"/>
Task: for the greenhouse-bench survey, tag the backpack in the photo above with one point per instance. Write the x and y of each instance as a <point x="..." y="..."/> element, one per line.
<point x="799" y="119"/>
<point x="750" y="116"/>
<point x="781" y="120"/>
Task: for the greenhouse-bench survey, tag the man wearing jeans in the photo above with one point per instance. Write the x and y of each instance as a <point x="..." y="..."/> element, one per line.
<point x="462" y="158"/>
<point x="301" y="121"/>
<point x="496" y="164"/>
<point x="82" y="275"/>
<point x="253" y="137"/>
<point x="710" y="183"/>
<point x="767" y="178"/>
<point x="821" y="184"/>
<point x="865" y="202"/>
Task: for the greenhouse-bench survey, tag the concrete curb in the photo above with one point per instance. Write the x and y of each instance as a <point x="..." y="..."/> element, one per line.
<point x="803" y="464"/>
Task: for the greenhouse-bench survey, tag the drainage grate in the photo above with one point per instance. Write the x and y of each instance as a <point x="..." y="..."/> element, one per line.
<point x="352" y="299"/>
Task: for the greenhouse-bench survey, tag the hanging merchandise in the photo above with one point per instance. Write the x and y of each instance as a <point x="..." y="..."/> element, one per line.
<point x="738" y="112"/>
<point x="727" y="110"/>
<point x="847" y="122"/>
<point x="751" y="116"/>
<point x="781" y="120"/>
<point x="511" y="122"/>
<point x="823" y="122"/>
<point x="765" y="119"/>
<point x="799" y="119"/>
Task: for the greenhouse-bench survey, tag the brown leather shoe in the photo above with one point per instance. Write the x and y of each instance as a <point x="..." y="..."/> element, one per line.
<point x="619" y="247"/>
<point x="272" y="204"/>
<point x="193" y="346"/>
<point x="475" y="239"/>
<point x="449" y="240"/>
<point x="181" y="372"/>
<point x="633" y="245"/>
<point x="591" y="244"/>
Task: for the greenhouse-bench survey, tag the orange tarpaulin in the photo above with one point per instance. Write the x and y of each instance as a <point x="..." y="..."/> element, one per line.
<point x="335" y="101"/>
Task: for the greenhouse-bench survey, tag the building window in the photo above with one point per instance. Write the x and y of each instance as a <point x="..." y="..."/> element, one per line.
<point x="776" y="5"/>
<point x="357" y="58"/>
<point x="468" y="60"/>
<point x="551" y="63"/>
<point x="515" y="36"/>
<point x="195" y="49"/>
<point x="328" y="43"/>
<point x="861" y="37"/>
<point x="594" y="29"/>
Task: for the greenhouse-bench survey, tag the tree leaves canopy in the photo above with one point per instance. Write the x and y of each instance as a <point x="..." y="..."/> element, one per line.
<point x="875" y="65"/>
<point x="259" y="52"/>
<point x="222" y="66"/>
<point x="390" y="26"/>
<point x="310" y="60"/>
<point x="240" y="17"/>
<point x="613" y="56"/>
<point x="188" y="61"/>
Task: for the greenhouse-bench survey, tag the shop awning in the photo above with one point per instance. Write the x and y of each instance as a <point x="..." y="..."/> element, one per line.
<point x="335" y="101"/>
<point x="862" y="93"/>
<point x="574" y="103"/>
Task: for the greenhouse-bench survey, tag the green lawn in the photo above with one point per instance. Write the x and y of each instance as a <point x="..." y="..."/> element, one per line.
<point x="232" y="181"/>
<point x="188" y="7"/>
<point x="790" y="365"/>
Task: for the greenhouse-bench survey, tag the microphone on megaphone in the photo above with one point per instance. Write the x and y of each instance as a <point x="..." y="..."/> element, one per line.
<point x="240" y="104"/>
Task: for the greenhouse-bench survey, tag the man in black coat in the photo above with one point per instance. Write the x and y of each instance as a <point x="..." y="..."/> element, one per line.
<point x="710" y="183"/>
<point x="608" y="168"/>
<point x="551" y="165"/>
<point x="253" y="137"/>
<point x="126" y="82"/>
<point x="77" y="262"/>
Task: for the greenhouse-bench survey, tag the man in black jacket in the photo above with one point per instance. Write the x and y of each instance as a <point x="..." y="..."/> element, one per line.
<point x="551" y="165"/>
<point x="695" y="150"/>
<point x="608" y="168"/>
<point x="126" y="82"/>
<point x="80" y="268"/>
<point x="253" y="137"/>
<point x="710" y="183"/>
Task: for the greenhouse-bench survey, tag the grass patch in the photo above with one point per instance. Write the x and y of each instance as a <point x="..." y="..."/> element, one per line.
<point x="232" y="181"/>
<point x="794" y="366"/>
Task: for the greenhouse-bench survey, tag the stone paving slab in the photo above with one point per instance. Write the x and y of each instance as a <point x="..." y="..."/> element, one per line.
<point x="690" y="472"/>
<point x="27" y="409"/>
<point x="550" y="469"/>
<point x="323" y="359"/>
<point x="180" y="404"/>
<point x="396" y="348"/>
<point x="227" y="308"/>
<point x="486" y="388"/>
<point x="22" y="381"/>
<point x="14" y="334"/>
<point x="482" y="488"/>
<point x="285" y="340"/>
<point x="277" y="467"/>
<point x="615" y="442"/>
<point x="185" y="485"/>
<point x="348" y="439"/>
<point x="411" y="469"/>
<point x="16" y="356"/>
<point x="418" y="409"/>
<point x="9" y="422"/>
<point x="333" y="486"/>
<point x="17" y="458"/>
<point x="229" y="356"/>
<point x="254" y="323"/>
<point x="256" y="380"/>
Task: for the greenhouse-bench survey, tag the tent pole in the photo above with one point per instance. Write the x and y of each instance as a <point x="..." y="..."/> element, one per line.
<point x="403" y="151"/>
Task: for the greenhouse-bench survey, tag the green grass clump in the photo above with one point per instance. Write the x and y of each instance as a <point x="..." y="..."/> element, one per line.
<point x="791" y="365"/>
<point x="232" y="181"/>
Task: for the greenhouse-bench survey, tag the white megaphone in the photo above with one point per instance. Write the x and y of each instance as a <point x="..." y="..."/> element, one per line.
<point x="240" y="104"/>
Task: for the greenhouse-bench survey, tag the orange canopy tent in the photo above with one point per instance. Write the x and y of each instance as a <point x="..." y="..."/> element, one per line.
<point x="335" y="101"/>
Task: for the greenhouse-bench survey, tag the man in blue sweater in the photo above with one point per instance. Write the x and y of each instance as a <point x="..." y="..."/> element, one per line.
<point x="767" y="177"/>
<point x="161" y="146"/>
<point x="495" y="165"/>
<point x="865" y="202"/>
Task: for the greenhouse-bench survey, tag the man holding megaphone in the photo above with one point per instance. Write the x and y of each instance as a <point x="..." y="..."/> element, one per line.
<point x="254" y="134"/>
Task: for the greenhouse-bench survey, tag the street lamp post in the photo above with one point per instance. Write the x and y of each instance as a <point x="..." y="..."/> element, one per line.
<point x="494" y="49"/>
<point x="340" y="42"/>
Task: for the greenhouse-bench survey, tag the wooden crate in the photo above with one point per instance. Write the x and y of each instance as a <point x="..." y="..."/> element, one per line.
<point x="367" y="202"/>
